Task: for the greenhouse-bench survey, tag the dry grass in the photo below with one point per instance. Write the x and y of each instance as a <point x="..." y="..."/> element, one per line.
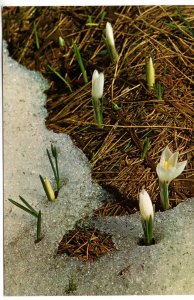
<point x="115" y="150"/>
<point x="85" y="244"/>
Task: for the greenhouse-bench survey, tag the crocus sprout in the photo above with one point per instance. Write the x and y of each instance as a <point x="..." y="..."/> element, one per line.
<point x="48" y="188"/>
<point x="56" y="167"/>
<point x="147" y="214"/>
<point x="110" y="42"/>
<point x="29" y="209"/>
<point x="150" y="74"/>
<point x="168" y="169"/>
<point x="97" y="94"/>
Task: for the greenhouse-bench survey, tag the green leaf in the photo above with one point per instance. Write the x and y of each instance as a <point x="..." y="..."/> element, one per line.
<point x="54" y="150"/>
<point x="52" y="165"/>
<point x="28" y="205"/>
<point x="23" y="207"/>
<point x="39" y="226"/>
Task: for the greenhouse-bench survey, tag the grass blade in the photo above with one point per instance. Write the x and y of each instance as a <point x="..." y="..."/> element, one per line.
<point x="80" y="61"/>
<point x="61" y="77"/>
<point x="36" y="36"/>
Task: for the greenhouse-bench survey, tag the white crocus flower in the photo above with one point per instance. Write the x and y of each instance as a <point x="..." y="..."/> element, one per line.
<point x="49" y="189"/>
<point x="97" y="85"/>
<point x="150" y="74"/>
<point x="109" y="34"/>
<point x="147" y="214"/>
<point x="169" y="167"/>
<point x="145" y="205"/>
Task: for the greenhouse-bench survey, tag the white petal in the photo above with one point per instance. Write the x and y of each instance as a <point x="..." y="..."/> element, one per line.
<point x="173" y="159"/>
<point x="95" y="75"/>
<point x="165" y="175"/>
<point x="180" y="167"/>
<point x="109" y="34"/>
<point x="101" y="84"/>
<point x="145" y="205"/>
<point x="166" y="154"/>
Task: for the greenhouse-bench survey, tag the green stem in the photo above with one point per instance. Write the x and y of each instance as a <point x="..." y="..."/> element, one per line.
<point x="39" y="227"/>
<point x="148" y="231"/>
<point x="164" y="196"/>
<point x="114" y="53"/>
<point x="98" y="112"/>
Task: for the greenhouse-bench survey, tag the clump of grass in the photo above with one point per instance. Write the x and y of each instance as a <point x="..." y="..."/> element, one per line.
<point x="71" y="286"/>
<point x="29" y="209"/>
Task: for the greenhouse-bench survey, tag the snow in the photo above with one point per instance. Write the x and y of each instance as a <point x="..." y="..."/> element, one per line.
<point x="34" y="269"/>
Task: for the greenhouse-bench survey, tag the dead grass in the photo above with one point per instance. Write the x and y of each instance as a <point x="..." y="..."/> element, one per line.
<point x="85" y="244"/>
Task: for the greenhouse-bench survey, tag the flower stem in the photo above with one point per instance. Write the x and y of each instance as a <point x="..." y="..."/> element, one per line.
<point x="164" y="195"/>
<point x="98" y="107"/>
<point x="148" y="226"/>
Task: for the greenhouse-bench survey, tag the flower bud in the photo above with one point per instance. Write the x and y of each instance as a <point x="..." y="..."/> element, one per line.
<point x="145" y="205"/>
<point x="49" y="189"/>
<point x="150" y="73"/>
<point x="109" y="34"/>
<point x="97" y="85"/>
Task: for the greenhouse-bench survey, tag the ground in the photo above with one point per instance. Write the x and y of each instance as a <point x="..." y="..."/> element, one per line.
<point x="115" y="151"/>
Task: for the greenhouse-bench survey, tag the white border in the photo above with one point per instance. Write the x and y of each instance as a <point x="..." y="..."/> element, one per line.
<point x="93" y="3"/>
<point x="69" y="3"/>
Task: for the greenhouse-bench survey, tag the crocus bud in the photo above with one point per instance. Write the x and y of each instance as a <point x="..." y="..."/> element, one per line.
<point x="49" y="189"/>
<point x="61" y="41"/>
<point x="109" y="34"/>
<point x="97" y="85"/>
<point x="150" y="74"/>
<point x="145" y="205"/>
